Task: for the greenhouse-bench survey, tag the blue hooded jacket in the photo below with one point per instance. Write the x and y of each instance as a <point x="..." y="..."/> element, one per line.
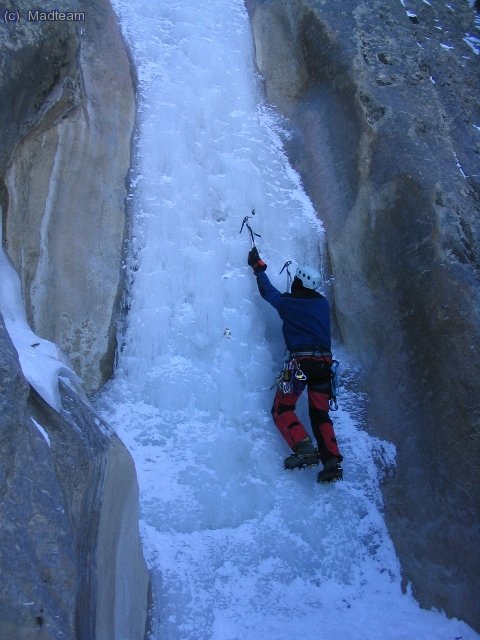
<point x="306" y="320"/>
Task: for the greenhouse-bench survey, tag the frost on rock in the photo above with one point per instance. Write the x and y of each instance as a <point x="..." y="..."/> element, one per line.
<point x="42" y="431"/>
<point x="42" y="362"/>
<point x="473" y="42"/>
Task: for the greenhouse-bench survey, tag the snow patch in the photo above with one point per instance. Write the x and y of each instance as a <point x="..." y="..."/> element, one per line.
<point x="473" y="42"/>
<point x="459" y="166"/>
<point x="42" y="362"/>
<point x="42" y="431"/>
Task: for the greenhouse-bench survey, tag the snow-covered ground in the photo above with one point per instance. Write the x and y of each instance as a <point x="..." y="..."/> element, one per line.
<point x="237" y="547"/>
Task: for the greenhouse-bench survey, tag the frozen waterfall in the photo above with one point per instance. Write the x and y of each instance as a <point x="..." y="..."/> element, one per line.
<point x="237" y="547"/>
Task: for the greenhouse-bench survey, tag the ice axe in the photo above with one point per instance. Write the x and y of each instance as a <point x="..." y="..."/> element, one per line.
<point x="245" y="223"/>
<point x="289" y="275"/>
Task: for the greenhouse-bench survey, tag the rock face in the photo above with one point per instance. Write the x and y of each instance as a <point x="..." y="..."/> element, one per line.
<point x="71" y="563"/>
<point x="383" y="101"/>
<point x="70" y="554"/>
<point x="67" y="110"/>
<point x="34" y="580"/>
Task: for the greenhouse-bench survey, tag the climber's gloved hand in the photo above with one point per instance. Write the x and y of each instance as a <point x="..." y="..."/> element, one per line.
<point x="253" y="257"/>
<point x="255" y="261"/>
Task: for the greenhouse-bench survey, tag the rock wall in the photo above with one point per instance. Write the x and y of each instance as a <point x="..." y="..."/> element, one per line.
<point x="70" y="554"/>
<point x="383" y="102"/>
<point x="68" y="113"/>
<point x="38" y="575"/>
<point x="71" y="563"/>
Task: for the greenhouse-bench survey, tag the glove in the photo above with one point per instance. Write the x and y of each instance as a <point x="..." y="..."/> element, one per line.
<point x="255" y="261"/>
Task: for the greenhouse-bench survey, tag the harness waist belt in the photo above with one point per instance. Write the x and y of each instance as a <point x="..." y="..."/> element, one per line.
<point x="327" y="354"/>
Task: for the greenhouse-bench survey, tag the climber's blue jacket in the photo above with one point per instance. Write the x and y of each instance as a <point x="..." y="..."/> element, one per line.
<point x="305" y="315"/>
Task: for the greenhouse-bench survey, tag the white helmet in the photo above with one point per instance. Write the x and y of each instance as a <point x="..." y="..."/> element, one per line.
<point x="310" y="278"/>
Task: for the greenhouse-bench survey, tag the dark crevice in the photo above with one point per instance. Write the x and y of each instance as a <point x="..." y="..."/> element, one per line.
<point x="4" y="211"/>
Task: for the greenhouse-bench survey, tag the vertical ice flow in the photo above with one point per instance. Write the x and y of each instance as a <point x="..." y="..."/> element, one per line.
<point x="208" y="156"/>
<point x="237" y="547"/>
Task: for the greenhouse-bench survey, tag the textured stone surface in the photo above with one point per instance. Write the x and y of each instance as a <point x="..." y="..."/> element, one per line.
<point x="383" y="113"/>
<point x="38" y="577"/>
<point x="71" y="564"/>
<point x="121" y="595"/>
<point x="70" y="555"/>
<point x="36" y="58"/>
<point x="69" y="112"/>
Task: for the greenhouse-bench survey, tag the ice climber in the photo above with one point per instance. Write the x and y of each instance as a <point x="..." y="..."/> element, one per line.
<point x="306" y="330"/>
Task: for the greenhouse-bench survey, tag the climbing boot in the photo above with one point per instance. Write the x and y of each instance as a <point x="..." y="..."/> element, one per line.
<point x="304" y="455"/>
<point x="332" y="471"/>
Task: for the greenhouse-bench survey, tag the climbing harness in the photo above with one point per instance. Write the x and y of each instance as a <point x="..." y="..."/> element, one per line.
<point x="289" y="275"/>
<point x="292" y="372"/>
<point x="245" y="223"/>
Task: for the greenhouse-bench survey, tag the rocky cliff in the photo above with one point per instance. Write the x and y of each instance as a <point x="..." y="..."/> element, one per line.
<point x="382" y="99"/>
<point x="67" y="110"/>
<point x="70" y="555"/>
<point x="71" y="563"/>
